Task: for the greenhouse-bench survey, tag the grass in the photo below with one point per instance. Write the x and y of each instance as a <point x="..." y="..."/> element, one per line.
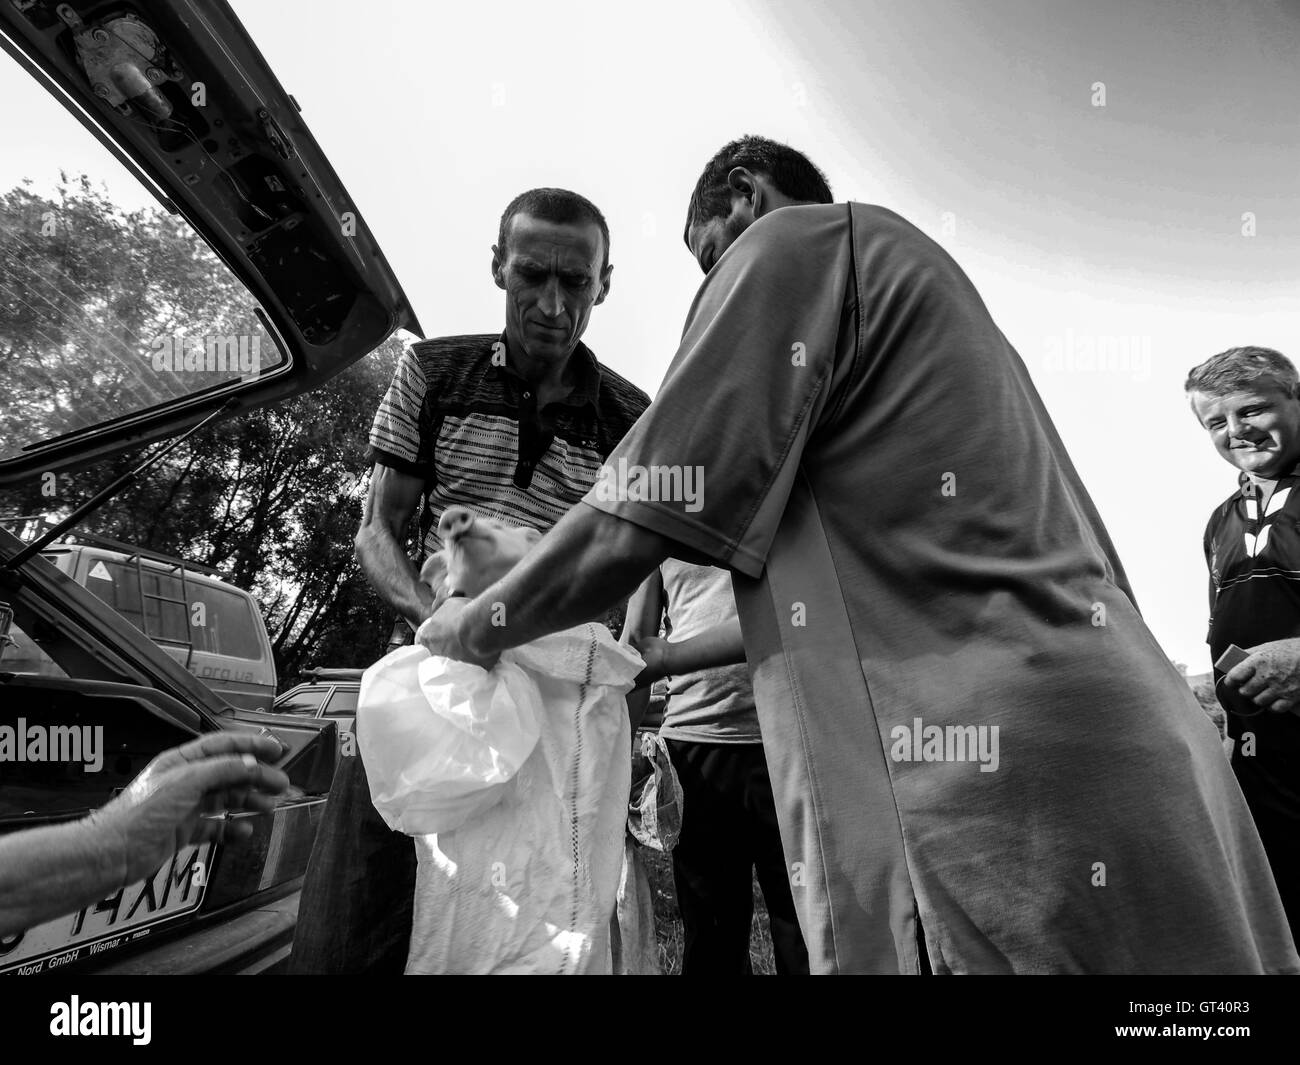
<point x="668" y="922"/>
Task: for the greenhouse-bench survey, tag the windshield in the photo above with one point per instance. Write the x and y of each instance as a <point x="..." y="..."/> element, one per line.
<point x="109" y="305"/>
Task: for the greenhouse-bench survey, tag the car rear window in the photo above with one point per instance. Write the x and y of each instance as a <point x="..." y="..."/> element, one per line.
<point x="158" y="605"/>
<point x="111" y="304"/>
<point x="149" y="600"/>
<point x="302" y="701"/>
<point x="229" y="625"/>
<point x="343" y="704"/>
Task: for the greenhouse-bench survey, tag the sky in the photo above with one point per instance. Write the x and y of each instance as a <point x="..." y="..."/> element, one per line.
<point x="1118" y="179"/>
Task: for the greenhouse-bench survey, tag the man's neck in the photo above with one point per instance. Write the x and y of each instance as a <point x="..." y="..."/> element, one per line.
<point x="550" y="379"/>
<point x="1264" y="487"/>
<point x="1266" y="484"/>
<point x="1260" y="488"/>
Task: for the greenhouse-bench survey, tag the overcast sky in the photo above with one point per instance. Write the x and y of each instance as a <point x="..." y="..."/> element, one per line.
<point x="1115" y="228"/>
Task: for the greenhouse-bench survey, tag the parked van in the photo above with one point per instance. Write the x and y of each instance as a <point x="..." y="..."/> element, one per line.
<point x="212" y="628"/>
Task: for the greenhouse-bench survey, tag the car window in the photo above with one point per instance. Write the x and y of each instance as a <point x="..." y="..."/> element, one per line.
<point x="304" y="700"/>
<point x="155" y="602"/>
<point x="109" y="305"/>
<point x="118" y="585"/>
<point x="165" y="616"/>
<point x="150" y="600"/>
<point x="343" y="704"/>
<point x="228" y="625"/>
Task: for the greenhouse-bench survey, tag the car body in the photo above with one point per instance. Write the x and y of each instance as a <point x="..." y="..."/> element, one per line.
<point x="209" y="626"/>
<point x="245" y="172"/>
<point x="328" y="694"/>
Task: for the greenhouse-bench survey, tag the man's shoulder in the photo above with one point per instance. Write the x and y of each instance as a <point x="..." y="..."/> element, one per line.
<point x="623" y="394"/>
<point x="873" y="224"/>
<point x="785" y="249"/>
<point x="1221" y="513"/>
<point x="806" y="223"/>
<point x="799" y="226"/>
<point x="458" y="349"/>
<point x="874" y="212"/>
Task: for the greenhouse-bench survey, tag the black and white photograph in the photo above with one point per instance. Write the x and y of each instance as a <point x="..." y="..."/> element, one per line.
<point x="738" y="487"/>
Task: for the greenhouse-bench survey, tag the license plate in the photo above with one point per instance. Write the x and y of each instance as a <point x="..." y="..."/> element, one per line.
<point x="127" y="916"/>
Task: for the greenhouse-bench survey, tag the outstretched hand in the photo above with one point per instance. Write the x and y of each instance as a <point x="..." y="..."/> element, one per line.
<point x="163" y="809"/>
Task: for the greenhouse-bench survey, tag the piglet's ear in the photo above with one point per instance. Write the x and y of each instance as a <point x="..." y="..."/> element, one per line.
<point x="434" y="571"/>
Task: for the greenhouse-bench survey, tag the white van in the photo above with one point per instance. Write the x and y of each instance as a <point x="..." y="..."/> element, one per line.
<point x="212" y="628"/>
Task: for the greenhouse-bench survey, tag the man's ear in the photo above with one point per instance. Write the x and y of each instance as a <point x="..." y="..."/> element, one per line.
<point x="498" y="267"/>
<point x="434" y="571"/>
<point x="745" y="184"/>
<point x="604" y="284"/>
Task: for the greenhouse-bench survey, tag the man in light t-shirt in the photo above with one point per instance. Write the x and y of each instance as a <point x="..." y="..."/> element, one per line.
<point x="729" y="826"/>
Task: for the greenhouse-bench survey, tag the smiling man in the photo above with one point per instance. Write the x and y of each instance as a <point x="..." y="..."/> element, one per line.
<point x="512" y="425"/>
<point x="1248" y="399"/>
<point x="916" y="566"/>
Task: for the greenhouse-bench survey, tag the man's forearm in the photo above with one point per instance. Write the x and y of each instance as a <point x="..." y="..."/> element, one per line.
<point x="721" y="645"/>
<point x="587" y="563"/>
<point x="645" y="610"/>
<point x="392" y="574"/>
<point x="47" y="872"/>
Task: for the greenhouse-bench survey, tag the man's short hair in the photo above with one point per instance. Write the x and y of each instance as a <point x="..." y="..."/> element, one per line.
<point x="792" y="172"/>
<point x="1240" y="370"/>
<point x="559" y="206"/>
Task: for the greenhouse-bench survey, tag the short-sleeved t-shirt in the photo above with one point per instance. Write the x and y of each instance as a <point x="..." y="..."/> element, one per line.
<point x="1253" y="555"/>
<point x="713" y="705"/>
<point x="457" y="416"/>
<point x="917" y="565"/>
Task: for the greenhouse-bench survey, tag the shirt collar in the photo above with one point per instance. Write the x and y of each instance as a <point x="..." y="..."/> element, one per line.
<point x="1245" y="484"/>
<point x="586" y="387"/>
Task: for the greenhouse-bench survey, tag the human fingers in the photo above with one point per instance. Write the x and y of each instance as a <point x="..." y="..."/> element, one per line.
<point x="1240" y="673"/>
<point x="263" y="746"/>
<point x="232" y="772"/>
<point x="1254" y="686"/>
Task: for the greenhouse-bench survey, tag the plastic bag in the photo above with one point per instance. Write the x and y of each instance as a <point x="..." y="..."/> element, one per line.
<point x="634" y="946"/>
<point x="442" y="739"/>
<point x="655" y="809"/>
<point x="522" y="774"/>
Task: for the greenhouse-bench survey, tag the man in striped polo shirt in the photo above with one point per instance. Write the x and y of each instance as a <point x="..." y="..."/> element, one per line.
<point x="513" y="425"/>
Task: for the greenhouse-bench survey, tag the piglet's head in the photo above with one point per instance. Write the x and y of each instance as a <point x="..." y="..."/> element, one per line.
<point x="477" y="552"/>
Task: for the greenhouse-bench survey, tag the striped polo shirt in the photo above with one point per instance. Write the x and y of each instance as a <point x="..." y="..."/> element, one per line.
<point x="458" y="417"/>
